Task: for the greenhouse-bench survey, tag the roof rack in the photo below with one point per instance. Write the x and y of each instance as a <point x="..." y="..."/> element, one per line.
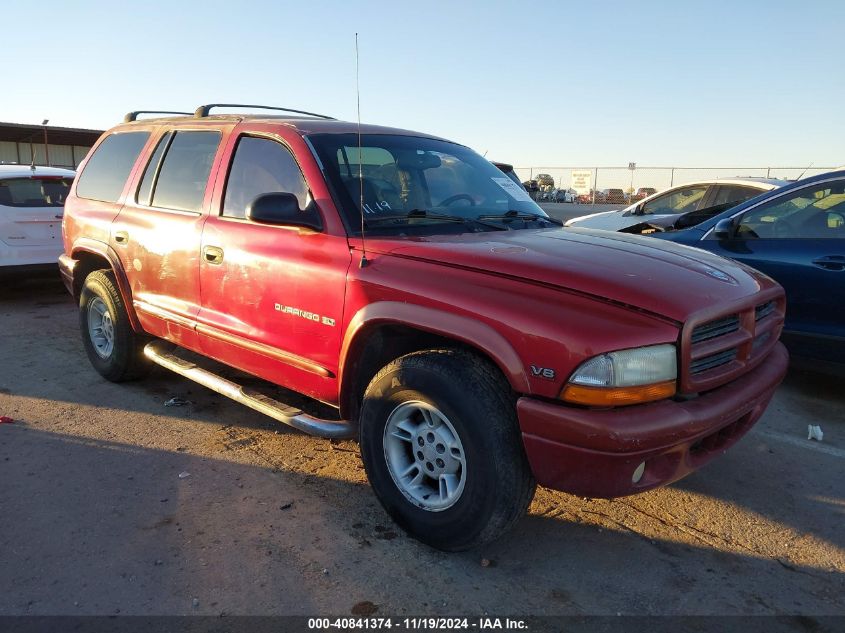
<point x="203" y="110"/>
<point x="132" y="116"/>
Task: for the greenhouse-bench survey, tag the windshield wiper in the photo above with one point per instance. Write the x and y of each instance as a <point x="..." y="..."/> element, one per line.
<point x="520" y="215"/>
<point x="433" y="215"/>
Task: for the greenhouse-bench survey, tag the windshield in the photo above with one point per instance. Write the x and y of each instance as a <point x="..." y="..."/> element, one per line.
<point x="43" y="191"/>
<point x="404" y="175"/>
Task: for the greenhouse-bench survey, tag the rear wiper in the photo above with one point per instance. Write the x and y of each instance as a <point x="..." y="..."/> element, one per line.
<point x="433" y="215"/>
<point x="518" y="215"/>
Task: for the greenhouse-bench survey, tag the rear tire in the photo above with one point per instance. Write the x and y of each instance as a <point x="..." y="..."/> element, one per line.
<point x="113" y="347"/>
<point x="442" y="449"/>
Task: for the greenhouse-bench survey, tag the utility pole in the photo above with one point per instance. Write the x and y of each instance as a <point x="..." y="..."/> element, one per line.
<point x="46" y="146"/>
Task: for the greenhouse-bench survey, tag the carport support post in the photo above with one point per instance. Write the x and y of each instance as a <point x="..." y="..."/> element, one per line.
<point x="46" y="148"/>
<point x="595" y="184"/>
<point x="672" y="177"/>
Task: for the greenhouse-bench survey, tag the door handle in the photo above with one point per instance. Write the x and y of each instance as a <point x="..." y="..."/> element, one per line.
<point x="830" y="262"/>
<point x="121" y="237"/>
<point x="212" y="254"/>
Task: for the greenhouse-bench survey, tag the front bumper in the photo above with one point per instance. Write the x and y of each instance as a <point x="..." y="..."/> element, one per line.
<point x="594" y="453"/>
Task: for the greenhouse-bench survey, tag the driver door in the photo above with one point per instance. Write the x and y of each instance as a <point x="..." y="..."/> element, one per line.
<point x="272" y="295"/>
<point x="799" y="240"/>
<point x="677" y="201"/>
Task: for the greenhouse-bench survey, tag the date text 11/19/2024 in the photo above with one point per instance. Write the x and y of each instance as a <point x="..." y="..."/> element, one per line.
<point x="416" y="624"/>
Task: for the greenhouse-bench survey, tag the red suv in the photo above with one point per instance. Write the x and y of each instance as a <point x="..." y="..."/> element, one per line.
<point x="472" y="345"/>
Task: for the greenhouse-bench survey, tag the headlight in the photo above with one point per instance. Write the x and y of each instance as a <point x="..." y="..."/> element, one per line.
<point x="630" y="376"/>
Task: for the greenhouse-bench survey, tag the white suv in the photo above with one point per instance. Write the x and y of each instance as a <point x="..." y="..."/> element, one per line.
<point x="31" y="206"/>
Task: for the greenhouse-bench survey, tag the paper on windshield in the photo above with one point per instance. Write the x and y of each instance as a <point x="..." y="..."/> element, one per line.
<point x="514" y="190"/>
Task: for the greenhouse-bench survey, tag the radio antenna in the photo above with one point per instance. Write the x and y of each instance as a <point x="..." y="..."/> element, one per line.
<point x="364" y="261"/>
<point x="805" y="171"/>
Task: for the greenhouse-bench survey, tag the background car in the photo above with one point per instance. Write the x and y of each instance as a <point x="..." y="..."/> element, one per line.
<point x="642" y="193"/>
<point x="508" y="171"/>
<point x="586" y="198"/>
<point x="532" y="188"/>
<point x="31" y="206"/>
<point x="796" y="235"/>
<point x="563" y="195"/>
<point x="614" y="196"/>
<point x="679" y="206"/>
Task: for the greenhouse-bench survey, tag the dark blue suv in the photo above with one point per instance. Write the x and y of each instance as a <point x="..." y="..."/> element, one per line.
<point x="796" y="235"/>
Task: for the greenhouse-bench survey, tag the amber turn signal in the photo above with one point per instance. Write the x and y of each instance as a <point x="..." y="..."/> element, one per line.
<point x="617" y="396"/>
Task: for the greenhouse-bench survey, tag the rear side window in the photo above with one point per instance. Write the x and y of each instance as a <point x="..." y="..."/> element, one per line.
<point x="183" y="175"/>
<point x="734" y="194"/>
<point x="34" y="192"/>
<point x="108" y="168"/>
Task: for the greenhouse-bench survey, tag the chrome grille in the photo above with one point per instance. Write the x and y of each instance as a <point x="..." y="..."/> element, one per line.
<point x="712" y="329"/>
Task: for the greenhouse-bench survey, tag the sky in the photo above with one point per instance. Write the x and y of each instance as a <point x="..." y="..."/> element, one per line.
<point x="741" y="83"/>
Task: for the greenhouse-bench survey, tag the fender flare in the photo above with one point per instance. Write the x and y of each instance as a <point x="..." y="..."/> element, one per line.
<point x="101" y="249"/>
<point x="465" y="329"/>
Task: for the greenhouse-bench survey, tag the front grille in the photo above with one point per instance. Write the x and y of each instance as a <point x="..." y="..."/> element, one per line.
<point x="763" y="310"/>
<point x="721" y="347"/>
<point x="719" y="327"/>
<point x="712" y="361"/>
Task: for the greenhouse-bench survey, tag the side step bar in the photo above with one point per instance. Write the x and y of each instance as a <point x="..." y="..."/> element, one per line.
<point x="161" y="353"/>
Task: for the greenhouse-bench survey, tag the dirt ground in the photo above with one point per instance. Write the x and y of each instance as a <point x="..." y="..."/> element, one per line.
<point x="112" y="503"/>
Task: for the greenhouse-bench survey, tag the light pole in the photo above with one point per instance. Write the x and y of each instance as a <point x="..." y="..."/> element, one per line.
<point x="46" y="147"/>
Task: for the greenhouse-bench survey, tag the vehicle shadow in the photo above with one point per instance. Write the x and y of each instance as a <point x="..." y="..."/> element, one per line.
<point x="100" y="527"/>
<point x="776" y="472"/>
<point x="40" y="333"/>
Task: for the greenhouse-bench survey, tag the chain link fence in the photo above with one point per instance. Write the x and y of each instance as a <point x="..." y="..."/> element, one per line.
<point x="622" y="185"/>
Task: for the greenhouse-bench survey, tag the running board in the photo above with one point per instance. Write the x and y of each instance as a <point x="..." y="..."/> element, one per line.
<point x="161" y="353"/>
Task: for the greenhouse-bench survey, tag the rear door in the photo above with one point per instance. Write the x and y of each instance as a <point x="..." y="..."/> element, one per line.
<point x="157" y="234"/>
<point x="799" y="240"/>
<point x="31" y="210"/>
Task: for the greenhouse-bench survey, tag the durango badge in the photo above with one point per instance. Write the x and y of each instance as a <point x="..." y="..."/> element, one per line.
<point x="310" y="316"/>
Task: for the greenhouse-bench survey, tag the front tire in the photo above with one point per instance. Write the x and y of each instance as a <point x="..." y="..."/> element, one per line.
<point x="113" y="347"/>
<point x="442" y="449"/>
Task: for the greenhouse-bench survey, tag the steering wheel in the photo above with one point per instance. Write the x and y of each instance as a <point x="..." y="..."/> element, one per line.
<point x="458" y="196"/>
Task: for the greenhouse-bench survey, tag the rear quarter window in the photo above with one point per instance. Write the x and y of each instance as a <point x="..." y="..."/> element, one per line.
<point x="107" y="170"/>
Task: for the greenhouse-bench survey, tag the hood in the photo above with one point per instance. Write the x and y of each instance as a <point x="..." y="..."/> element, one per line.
<point x="660" y="277"/>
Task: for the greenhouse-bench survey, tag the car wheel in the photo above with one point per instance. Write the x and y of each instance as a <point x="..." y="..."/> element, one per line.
<point x="113" y="347"/>
<point x="442" y="448"/>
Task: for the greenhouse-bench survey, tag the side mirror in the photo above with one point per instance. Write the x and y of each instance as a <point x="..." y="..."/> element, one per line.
<point x="724" y="229"/>
<point x="282" y="209"/>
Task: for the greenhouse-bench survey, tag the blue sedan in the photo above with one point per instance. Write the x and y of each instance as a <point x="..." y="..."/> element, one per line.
<point x="796" y="235"/>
